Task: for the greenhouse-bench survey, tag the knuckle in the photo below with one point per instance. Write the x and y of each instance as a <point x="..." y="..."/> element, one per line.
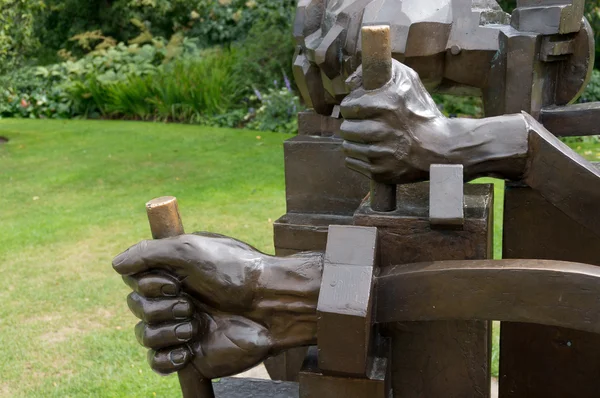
<point x="133" y="301"/>
<point x="140" y="333"/>
<point x="142" y="250"/>
<point x="186" y="246"/>
<point x="346" y="147"/>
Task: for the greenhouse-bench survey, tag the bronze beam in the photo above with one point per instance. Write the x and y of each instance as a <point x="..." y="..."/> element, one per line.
<point x="572" y="120"/>
<point x="545" y="292"/>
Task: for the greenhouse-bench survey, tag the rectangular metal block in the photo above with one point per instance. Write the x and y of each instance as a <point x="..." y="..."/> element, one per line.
<point x="315" y="384"/>
<point x="521" y="94"/>
<point x="317" y="179"/>
<point x="293" y="233"/>
<point x="297" y="232"/>
<point x="554" y="49"/>
<point x="406" y="235"/>
<point x="436" y="359"/>
<point x="551" y="17"/>
<point x="446" y="196"/>
<point x="536" y="360"/>
<point x="312" y="123"/>
<point x="345" y="306"/>
<point x="349" y="245"/>
<point x="233" y="387"/>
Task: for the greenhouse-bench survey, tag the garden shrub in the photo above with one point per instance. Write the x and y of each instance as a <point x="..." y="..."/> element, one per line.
<point x="592" y="91"/>
<point x="184" y="91"/>
<point x="277" y="110"/>
<point x="264" y="57"/>
<point x="17" y="32"/>
<point x="212" y="22"/>
<point x="457" y="106"/>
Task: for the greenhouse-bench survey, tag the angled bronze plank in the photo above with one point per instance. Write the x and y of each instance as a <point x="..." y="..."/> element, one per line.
<point x="535" y="291"/>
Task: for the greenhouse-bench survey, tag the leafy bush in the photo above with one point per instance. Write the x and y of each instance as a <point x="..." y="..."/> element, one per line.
<point x="264" y="56"/>
<point x="455" y="106"/>
<point x="25" y="93"/>
<point x="213" y="22"/>
<point x="277" y="111"/>
<point x="186" y="90"/>
<point x="154" y="79"/>
<point x="17" y="38"/>
<point x="592" y="91"/>
<point x="76" y="88"/>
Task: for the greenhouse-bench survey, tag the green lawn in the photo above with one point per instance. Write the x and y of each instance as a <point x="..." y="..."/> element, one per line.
<point x="73" y="195"/>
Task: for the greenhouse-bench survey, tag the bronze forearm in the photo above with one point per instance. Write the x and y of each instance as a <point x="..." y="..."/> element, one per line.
<point x="495" y="146"/>
<point x="517" y="147"/>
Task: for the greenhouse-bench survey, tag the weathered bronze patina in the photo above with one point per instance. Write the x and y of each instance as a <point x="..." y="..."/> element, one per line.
<point x="393" y="288"/>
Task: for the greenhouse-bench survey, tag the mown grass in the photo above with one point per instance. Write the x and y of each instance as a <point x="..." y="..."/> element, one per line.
<point x="73" y="195"/>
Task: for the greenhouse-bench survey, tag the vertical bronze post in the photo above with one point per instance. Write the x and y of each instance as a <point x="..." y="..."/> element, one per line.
<point x="165" y="222"/>
<point x="377" y="71"/>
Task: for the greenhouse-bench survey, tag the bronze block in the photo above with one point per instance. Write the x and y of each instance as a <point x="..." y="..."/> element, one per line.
<point x="436" y="359"/>
<point x="293" y="233"/>
<point x="317" y="180"/>
<point x="446" y="196"/>
<point x="553" y="17"/>
<point x="545" y="361"/>
<point x="521" y="62"/>
<point x="297" y="232"/>
<point x="345" y="307"/>
<point x="406" y="236"/>
<point x="311" y="123"/>
<point x="314" y="384"/>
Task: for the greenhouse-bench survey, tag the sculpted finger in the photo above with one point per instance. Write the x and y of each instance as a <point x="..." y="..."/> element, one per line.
<point x="360" y="166"/>
<point x="135" y="259"/>
<point x="165" y="335"/>
<point x="356" y="151"/>
<point x="405" y="86"/>
<point x="368" y="153"/>
<point x="364" y="131"/>
<point x="163" y="254"/>
<point x="355" y="81"/>
<point x="153" y="285"/>
<point x="169" y="360"/>
<point x="154" y="311"/>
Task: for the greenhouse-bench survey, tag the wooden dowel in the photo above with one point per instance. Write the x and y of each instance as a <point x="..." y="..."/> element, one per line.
<point x="377" y="71"/>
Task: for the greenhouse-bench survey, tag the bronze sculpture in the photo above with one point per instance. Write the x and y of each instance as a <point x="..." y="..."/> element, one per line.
<point x="222" y="306"/>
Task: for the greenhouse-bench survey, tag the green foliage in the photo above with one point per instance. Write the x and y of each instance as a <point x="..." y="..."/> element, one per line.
<point x="154" y="79"/>
<point x="26" y="93"/>
<point x="592" y="91"/>
<point x="78" y="88"/>
<point x="213" y="22"/>
<point x="456" y="106"/>
<point x="277" y="111"/>
<point x="17" y="38"/>
<point x="186" y="90"/>
<point x="226" y="21"/>
<point x="265" y="56"/>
